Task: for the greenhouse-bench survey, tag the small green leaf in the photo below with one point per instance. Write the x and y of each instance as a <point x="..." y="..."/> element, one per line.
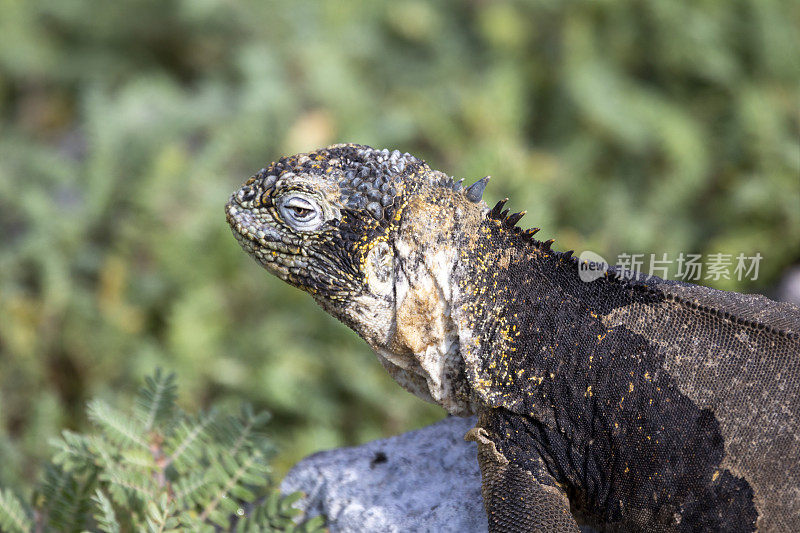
<point x="15" y="516"/>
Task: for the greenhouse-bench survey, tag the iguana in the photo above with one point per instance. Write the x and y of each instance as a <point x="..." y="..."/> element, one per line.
<point x="625" y="403"/>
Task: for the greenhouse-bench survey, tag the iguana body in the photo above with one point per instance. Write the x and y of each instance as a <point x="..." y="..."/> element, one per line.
<point x="626" y="404"/>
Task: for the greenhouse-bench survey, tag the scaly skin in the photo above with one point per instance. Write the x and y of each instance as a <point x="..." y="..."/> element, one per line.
<point x="627" y="404"/>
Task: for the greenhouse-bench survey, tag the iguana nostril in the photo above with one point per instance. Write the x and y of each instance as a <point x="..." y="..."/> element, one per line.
<point x="245" y="195"/>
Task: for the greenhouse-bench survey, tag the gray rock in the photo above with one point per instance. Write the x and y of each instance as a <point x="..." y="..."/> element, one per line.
<point x="424" y="480"/>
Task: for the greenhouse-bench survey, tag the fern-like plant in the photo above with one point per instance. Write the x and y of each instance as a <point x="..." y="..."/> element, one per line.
<point x="158" y="469"/>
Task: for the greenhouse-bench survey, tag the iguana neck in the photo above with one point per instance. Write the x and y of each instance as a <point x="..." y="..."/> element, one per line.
<point x="420" y="349"/>
<point x="456" y="273"/>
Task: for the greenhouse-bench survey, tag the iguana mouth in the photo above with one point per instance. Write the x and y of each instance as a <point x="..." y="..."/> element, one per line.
<point x="263" y="242"/>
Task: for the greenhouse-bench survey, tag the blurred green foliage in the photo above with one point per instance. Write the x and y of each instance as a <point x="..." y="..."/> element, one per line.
<point x="160" y="470"/>
<point x="621" y="126"/>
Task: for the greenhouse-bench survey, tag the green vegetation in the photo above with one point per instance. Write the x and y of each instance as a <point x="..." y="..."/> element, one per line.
<point x="627" y="126"/>
<point x="159" y="470"/>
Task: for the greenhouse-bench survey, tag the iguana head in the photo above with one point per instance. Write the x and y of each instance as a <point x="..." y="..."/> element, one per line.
<point x="369" y="234"/>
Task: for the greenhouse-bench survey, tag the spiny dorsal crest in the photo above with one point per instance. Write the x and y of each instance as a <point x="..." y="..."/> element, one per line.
<point x="369" y="185"/>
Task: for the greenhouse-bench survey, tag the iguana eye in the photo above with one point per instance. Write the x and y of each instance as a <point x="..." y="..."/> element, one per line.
<point x="300" y="212"/>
